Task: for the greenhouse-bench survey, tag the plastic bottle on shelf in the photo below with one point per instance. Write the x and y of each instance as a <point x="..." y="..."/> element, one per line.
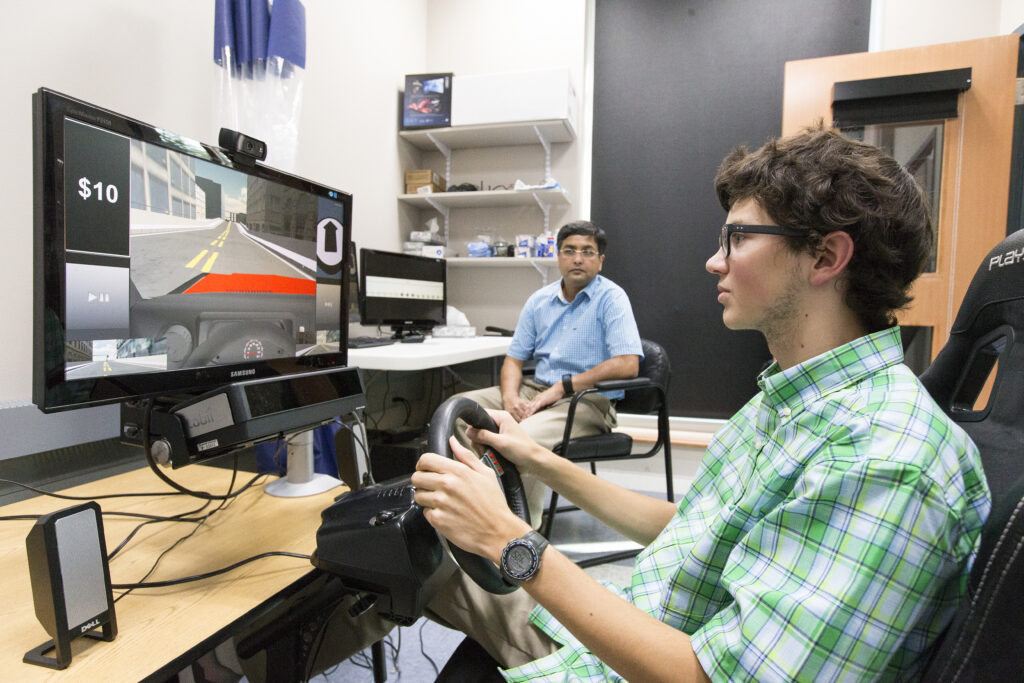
<point x="546" y="244"/>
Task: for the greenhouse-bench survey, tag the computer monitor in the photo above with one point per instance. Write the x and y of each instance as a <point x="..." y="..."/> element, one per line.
<point x="164" y="266"/>
<point x="408" y="293"/>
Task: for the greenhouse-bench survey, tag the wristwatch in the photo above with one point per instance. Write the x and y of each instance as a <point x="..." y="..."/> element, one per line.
<point x="520" y="559"/>
<point x="567" y="384"/>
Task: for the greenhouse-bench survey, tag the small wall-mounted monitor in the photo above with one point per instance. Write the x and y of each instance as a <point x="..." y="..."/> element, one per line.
<point x="163" y="266"/>
<point x="408" y="293"/>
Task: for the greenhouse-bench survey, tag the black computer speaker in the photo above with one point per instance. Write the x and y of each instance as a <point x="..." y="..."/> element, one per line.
<point x="67" y="563"/>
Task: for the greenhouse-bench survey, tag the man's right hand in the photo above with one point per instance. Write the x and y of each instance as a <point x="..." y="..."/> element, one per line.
<point x="513" y="442"/>
<point x="518" y="407"/>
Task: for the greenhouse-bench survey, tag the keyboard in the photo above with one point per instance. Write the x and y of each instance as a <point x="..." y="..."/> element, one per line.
<point x="367" y="342"/>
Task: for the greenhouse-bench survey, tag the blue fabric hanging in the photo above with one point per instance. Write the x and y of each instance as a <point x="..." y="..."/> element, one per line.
<point x="288" y="32"/>
<point x="325" y="458"/>
<point x="251" y="32"/>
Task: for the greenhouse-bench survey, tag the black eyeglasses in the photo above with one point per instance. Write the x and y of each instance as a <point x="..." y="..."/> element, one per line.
<point x="725" y="237"/>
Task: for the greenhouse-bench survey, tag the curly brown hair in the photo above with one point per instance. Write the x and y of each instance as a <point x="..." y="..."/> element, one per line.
<point x="821" y="181"/>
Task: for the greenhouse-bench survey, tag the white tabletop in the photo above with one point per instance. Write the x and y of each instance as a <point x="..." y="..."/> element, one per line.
<point x="431" y="353"/>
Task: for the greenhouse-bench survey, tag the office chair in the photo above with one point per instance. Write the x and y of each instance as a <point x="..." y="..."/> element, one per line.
<point x="985" y="640"/>
<point x="644" y="394"/>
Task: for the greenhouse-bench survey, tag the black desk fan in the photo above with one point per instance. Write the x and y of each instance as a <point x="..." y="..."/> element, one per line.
<point x="377" y="541"/>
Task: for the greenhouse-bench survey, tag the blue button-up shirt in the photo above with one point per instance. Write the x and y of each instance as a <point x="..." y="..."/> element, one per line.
<point x="572" y="337"/>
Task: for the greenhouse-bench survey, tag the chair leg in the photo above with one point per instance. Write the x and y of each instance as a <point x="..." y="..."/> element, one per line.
<point x="380" y="663"/>
<point x="610" y="557"/>
<point x="545" y="529"/>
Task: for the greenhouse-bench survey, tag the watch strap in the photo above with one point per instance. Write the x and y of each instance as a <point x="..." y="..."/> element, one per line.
<point x="567" y="384"/>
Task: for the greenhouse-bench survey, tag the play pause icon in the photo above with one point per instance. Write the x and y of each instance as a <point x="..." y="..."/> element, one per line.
<point x="102" y="298"/>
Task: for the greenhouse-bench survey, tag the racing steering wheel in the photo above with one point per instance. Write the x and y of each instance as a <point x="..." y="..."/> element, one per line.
<point x="484" y="572"/>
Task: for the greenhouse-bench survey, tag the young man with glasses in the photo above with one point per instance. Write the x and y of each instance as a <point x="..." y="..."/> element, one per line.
<point x="833" y="521"/>
<point x="580" y="330"/>
<point x="831" y="526"/>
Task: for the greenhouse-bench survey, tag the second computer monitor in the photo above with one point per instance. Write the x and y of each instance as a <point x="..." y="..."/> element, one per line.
<point x="406" y="292"/>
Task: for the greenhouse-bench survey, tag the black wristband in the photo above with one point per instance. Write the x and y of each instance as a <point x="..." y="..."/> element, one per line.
<point x="567" y="384"/>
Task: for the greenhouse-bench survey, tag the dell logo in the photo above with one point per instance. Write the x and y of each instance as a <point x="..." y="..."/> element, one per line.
<point x="89" y="625"/>
<point x="243" y="373"/>
<point x="204" y="419"/>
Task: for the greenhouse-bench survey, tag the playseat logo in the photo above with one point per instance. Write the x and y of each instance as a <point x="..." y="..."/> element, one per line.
<point x="89" y="625"/>
<point x="1008" y="259"/>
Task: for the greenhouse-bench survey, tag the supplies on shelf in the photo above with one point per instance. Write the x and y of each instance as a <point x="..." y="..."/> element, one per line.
<point x="423" y="180"/>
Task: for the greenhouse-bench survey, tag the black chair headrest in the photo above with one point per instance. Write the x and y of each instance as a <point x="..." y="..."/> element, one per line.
<point x="988" y="333"/>
<point x="999" y="280"/>
<point x="656" y="366"/>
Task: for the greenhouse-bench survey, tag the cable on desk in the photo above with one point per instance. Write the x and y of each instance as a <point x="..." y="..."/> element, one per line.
<point x="153" y="519"/>
<point x="63" y="496"/>
<point x="205" y="575"/>
<point x="147" y="447"/>
<point x="225" y="501"/>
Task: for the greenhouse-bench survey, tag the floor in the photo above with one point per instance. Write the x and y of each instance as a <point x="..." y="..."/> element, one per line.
<point x="416" y="653"/>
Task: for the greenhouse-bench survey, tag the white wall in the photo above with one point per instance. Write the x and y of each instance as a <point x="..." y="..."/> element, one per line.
<point x="898" y="24"/>
<point x="153" y="61"/>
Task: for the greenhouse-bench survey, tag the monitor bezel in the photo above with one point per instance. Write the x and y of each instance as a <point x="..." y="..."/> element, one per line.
<point x="51" y="391"/>
<point x="401" y="324"/>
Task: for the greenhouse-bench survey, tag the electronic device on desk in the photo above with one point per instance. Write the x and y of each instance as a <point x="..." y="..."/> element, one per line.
<point x="204" y="291"/>
<point x="369" y="342"/>
<point x="406" y="292"/>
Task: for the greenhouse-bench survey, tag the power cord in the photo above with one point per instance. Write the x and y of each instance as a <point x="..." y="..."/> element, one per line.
<point x="423" y="649"/>
<point x="147" y="448"/>
<point x="128" y="587"/>
<point x="64" y="496"/>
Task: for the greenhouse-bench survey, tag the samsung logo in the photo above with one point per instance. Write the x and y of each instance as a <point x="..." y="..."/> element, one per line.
<point x="1008" y="259"/>
<point x="243" y="373"/>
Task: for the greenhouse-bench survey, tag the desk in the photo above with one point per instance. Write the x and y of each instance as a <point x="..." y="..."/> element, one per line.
<point x="160" y="630"/>
<point x="431" y="353"/>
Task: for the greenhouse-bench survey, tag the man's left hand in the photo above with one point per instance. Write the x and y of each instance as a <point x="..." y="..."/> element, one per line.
<point x="544" y="399"/>
<point x="462" y="499"/>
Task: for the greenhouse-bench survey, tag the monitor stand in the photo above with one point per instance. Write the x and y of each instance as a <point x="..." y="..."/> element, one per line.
<point x="300" y="479"/>
<point x="399" y="332"/>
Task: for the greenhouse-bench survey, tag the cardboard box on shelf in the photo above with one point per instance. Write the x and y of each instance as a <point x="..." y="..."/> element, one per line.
<point x="424" y="176"/>
<point x="415" y="189"/>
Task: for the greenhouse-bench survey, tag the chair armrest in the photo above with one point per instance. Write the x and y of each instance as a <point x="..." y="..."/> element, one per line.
<point x="616" y="384"/>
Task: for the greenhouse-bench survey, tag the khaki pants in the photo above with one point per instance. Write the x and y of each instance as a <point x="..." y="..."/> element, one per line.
<point x="594" y="415"/>
<point x="497" y="622"/>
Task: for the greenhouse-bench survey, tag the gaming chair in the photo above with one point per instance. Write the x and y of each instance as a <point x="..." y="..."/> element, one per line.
<point x="986" y="639"/>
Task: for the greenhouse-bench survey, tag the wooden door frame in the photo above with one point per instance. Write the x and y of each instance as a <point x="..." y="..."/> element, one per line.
<point x="977" y="148"/>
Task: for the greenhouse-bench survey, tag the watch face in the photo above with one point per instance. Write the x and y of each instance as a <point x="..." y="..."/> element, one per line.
<point x="519" y="561"/>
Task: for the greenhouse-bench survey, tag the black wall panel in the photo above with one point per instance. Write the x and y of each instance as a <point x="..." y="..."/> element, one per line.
<point x="678" y="83"/>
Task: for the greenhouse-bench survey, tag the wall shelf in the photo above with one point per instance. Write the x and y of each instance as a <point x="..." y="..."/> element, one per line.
<point x="492" y="134"/>
<point x="486" y="198"/>
<point x="501" y="262"/>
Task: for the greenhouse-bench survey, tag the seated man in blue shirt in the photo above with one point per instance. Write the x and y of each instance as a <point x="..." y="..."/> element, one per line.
<point x="833" y="521"/>
<point x="580" y="330"/>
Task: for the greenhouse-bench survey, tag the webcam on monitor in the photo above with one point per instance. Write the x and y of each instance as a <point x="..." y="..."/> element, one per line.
<point x="242" y="147"/>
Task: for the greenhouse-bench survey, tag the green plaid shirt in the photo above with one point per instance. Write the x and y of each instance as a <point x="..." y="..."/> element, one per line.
<point x="827" y="536"/>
